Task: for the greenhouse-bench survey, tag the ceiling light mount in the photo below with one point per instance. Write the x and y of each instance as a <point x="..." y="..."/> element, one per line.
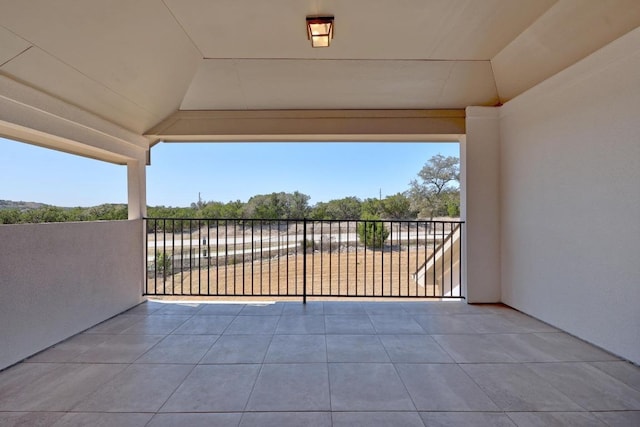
<point x="320" y="30"/>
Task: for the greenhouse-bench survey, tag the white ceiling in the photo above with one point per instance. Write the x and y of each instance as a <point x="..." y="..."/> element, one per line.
<point x="365" y="29"/>
<point x="137" y="62"/>
<point x="254" y="84"/>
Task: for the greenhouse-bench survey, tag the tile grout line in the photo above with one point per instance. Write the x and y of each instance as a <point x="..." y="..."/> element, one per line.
<point x="262" y="363"/>
<point x="326" y="352"/>
<point x="188" y="373"/>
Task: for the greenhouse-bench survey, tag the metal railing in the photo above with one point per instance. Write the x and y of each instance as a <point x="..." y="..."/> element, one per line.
<point x="304" y="258"/>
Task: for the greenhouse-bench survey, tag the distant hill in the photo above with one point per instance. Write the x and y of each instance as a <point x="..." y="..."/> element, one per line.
<point x="10" y="204"/>
<point x="25" y="206"/>
<point x="12" y="212"/>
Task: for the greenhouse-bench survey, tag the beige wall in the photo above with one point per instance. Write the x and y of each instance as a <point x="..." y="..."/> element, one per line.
<point x="59" y="279"/>
<point x="480" y="167"/>
<point x="570" y="199"/>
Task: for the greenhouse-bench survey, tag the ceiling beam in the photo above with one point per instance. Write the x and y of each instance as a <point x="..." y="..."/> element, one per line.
<point x="35" y="117"/>
<point x="310" y="125"/>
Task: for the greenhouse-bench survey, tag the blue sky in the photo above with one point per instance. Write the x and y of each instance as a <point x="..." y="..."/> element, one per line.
<point x="219" y="171"/>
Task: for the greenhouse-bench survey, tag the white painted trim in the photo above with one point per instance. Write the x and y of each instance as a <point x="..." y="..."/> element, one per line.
<point x="475" y="112"/>
<point x="463" y="212"/>
<point x="29" y="115"/>
<point x="311" y="125"/>
<point x="480" y="193"/>
<point x="137" y="189"/>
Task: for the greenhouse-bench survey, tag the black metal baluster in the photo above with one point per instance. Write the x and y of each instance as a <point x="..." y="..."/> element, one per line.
<point x="199" y="257"/>
<point x="382" y="268"/>
<point x="339" y="254"/>
<point x="321" y="257"/>
<point x="355" y="267"/>
<point x="304" y="262"/>
<point x="460" y="260"/>
<point x="330" y="256"/>
<point x="348" y="235"/>
<point x="417" y="256"/>
<point x="217" y="257"/>
<point x="235" y="253"/>
<point x="442" y="260"/>
<point x="391" y="261"/>
<point x="434" y="256"/>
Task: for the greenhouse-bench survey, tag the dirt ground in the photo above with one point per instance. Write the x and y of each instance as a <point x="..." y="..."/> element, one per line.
<point x="370" y="273"/>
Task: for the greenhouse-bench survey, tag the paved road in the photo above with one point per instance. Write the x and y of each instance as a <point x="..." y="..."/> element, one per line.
<point x="342" y="238"/>
<point x="271" y="243"/>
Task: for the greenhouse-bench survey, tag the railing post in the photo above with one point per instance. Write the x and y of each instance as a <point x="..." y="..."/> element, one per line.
<point x="304" y="261"/>
<point x="145" y="230"/>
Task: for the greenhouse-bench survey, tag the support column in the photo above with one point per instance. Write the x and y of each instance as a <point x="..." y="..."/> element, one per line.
<point x="480" y="204"/>
<point x="137" y="189"/>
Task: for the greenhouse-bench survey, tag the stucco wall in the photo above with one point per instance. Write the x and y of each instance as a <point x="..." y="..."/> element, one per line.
<point x="59" y="279"/>
<point x="570" y="199"/>
<point x="480" y="164"/>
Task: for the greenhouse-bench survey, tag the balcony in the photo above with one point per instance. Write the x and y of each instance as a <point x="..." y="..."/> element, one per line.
<point x="549" y="162"/>
<point x="324" y="363"/>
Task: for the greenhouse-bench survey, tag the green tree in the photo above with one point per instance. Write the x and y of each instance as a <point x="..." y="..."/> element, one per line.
<point x="452" y="203"/>
<point x="298" y="205"/>
<point x="170" y="213"/>
<point x="438" y="176"/>
<point x="233" y="209"/>
<point x="372" y="207"/>
<point x="398" y="206"/>
<point x="372" y="232"/>
<point x="76" y="214"/>
<point x="115" y="212"/>
<point x="10" y="216"/>
<point x="212" y="210"/>
<point x="265" y="206"/>
<point x="347" y="208"/>
<point x="319" y="212"/>
<point x="43" y="214"/>
<point x="277" y="206"/>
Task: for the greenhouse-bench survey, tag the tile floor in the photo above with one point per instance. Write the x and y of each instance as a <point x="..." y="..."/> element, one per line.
<point x="323" y="364"/>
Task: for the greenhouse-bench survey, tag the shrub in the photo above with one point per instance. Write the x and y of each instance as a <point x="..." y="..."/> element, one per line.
<point x="372" y="233"/>
<point x="308" y="245"/>
<point x="164" y="264"/>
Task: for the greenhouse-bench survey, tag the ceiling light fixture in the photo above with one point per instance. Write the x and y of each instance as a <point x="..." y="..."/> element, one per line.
<point x="320" y="30"/>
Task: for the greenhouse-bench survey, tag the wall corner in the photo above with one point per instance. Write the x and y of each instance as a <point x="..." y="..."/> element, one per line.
<point x="480" y="209"/>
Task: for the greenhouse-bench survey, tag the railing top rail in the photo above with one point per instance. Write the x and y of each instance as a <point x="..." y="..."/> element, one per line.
<point x="309" y="220"/>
